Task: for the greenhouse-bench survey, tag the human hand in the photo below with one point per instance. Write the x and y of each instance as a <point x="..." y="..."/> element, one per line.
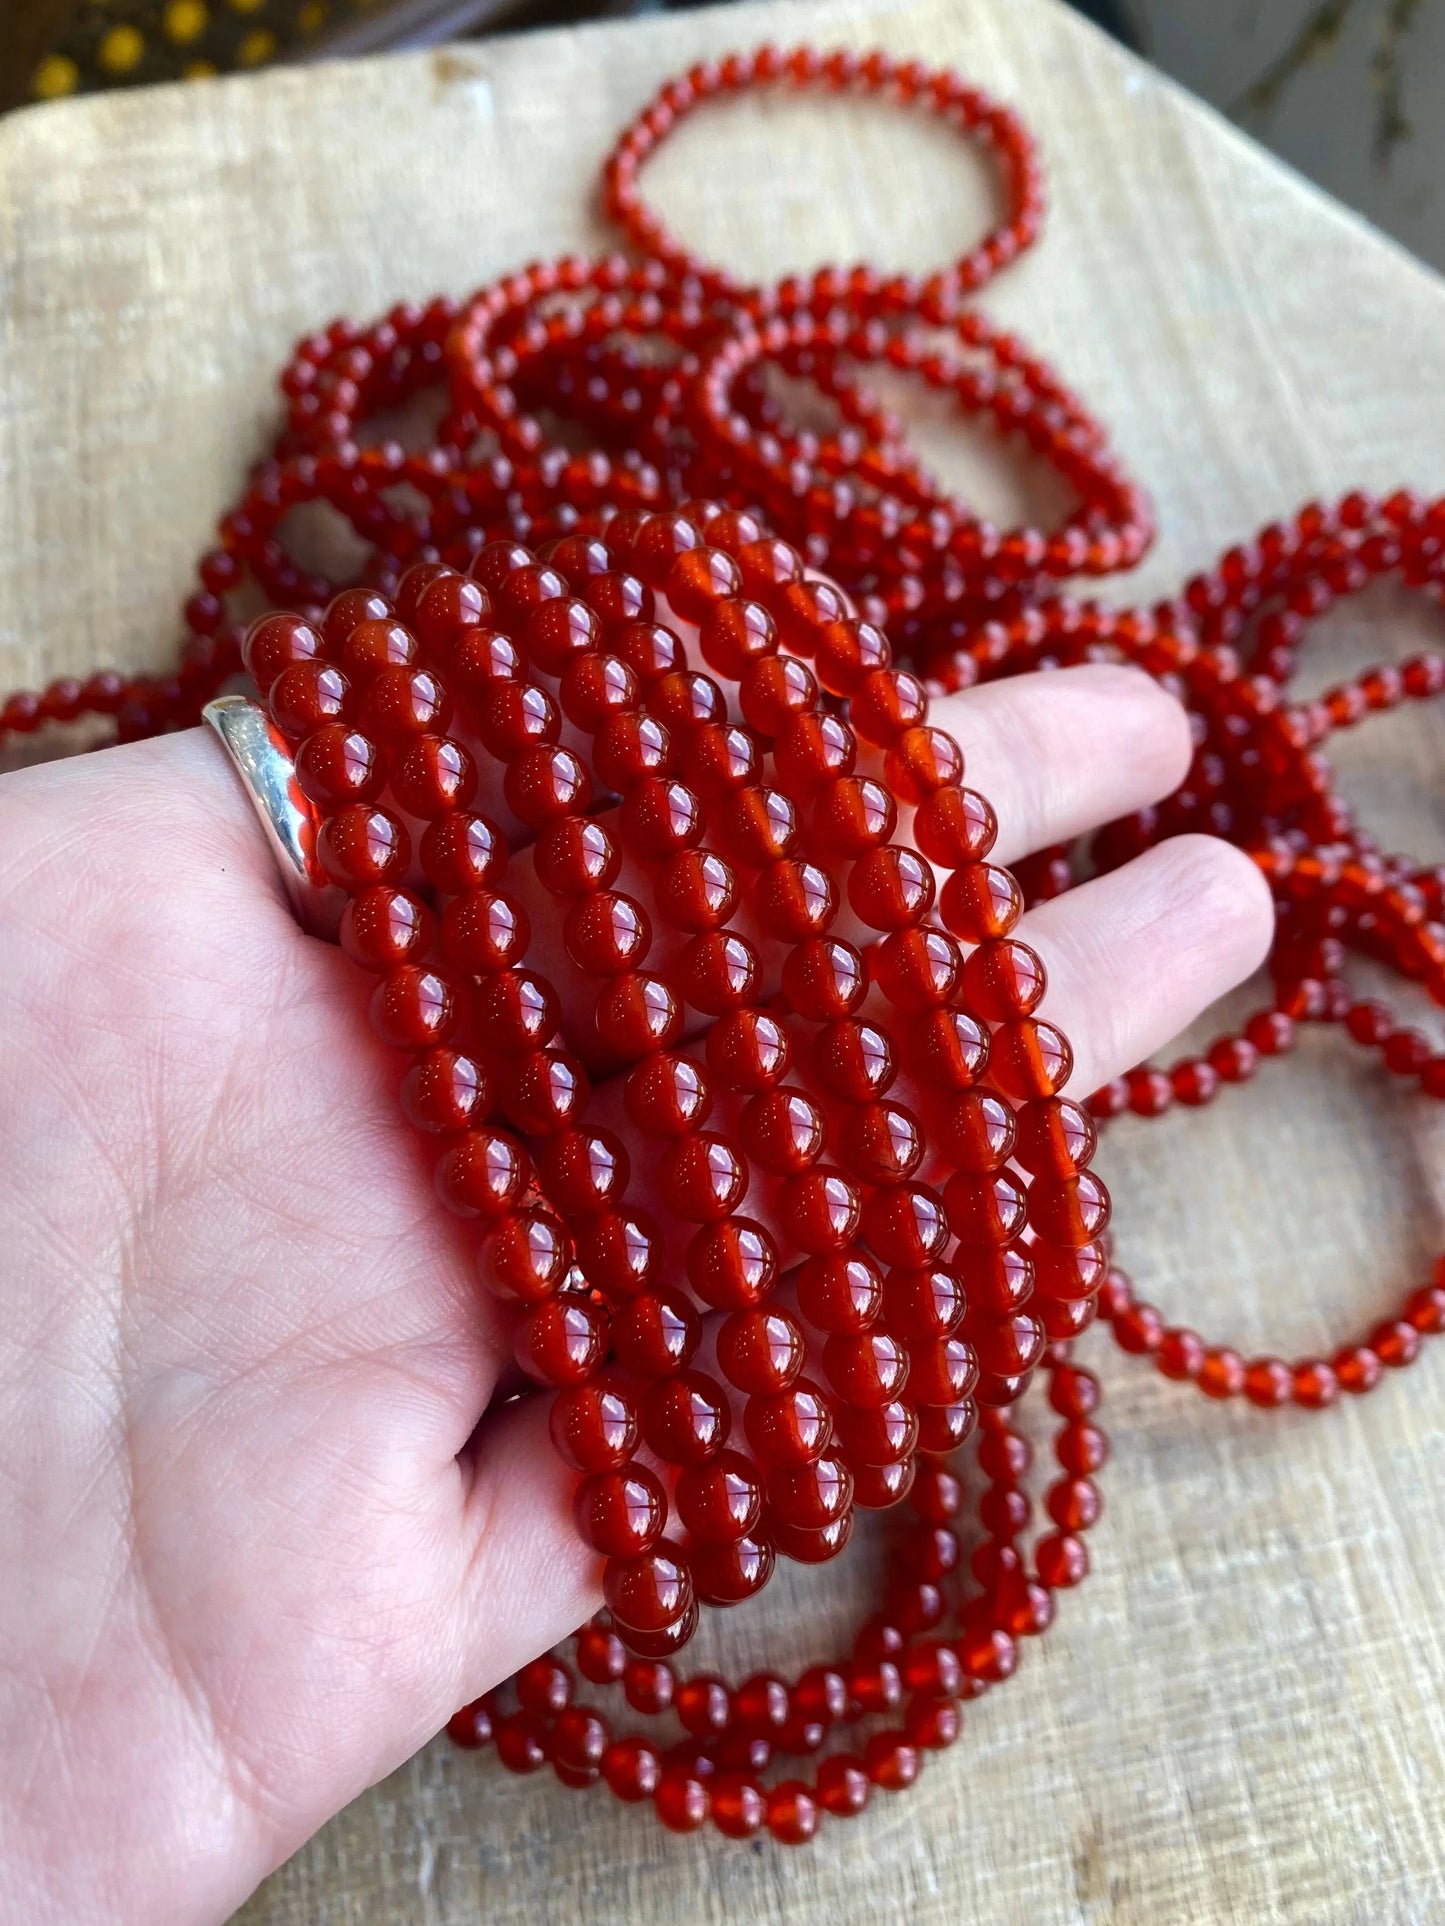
<point x="259" y="1544"/>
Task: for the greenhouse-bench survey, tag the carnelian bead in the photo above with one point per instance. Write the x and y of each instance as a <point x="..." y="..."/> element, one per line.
<point x="338" y="764"/>
<point x="840" y="1293"/>
<point x="720" y="1500"/>
<point x="686" y="1418"/>
<point x="818" y="1210"/>
<point x="472" y="1727"/>
<point x="596" y="687"/>
<point x="514" y="716"/>
<point x="892" y="889"/>
<point x="559" y="631"/>
<point x="696" y="890"/>
<point x="811" y="750"/>
<point x="881" y="1143"/>
<point x="655" y="1334"/>
<point x="955" y="827"/>
<point x="485" y="1174"/>
<point x="649" y="1592"/>
<point x="757" y="827"/>
<point x="621" y="1513"/>
<point x="579" y="1743"/>
<point x="1357" y="1369"/>
<point x="917" y="969"/>
<point x="444" y="1091"/>
<point x="853" y="1060"/>
<point x="824" y="978"/>
<point x="1055" y="1138"/>
<point x="760" y="1351"/>
<point x="413" y="1007"/>
<point x="561" y="1341"/>
<point x="521" y="1742"/>
<point x="1003" y="979"/>
<point x="359" y="846"/>
<point x="1395" y="1343"/>
<point x="880" y="1487"/>
<point x="403" y="702"/>
<point x="773" y="689"/>
<point x="925" y="1302"/>
<point x="383" y="927"/>
<point x="348" y="609"/>
<point x="607" y="933"/>
<point x="619" y="1252"/>
<point x="794" y="899"/>
<point x="1268" y="1381"/>
<point x="516" y="1012"/>
<point x="848" y="652"/>
<point x="544" y="1092"/>
<point x="632" y="1769"/>
<point x="462" y="852"/>
<point x="306" y="695"/>
<point x="526" y="1256"/>
<point x="748" y="1050"/>
<point x="485" y="932"/>
<point x="594" y="1426"/>
<point x="681" y="1799"/>
<point x="734" y="634"/>
<point x="576" y="856"/>
<point x="732" y="1264"/>
<point x="544" y="1687"/>
<point x="651" y="651"/>
<point x="812" y="1495"/>
<point x="669" y="1095"/>
<point x="703" y="1177"/>
<point x="886" y="708"/>
<point x="583" y="1171"/>
<point x="718" y="972"/>
<point x="948" y="1048"/>
<point x="922" y="761"/>
<point x="981" y="902"/>
<point x="444" y="610"/>
<point x="414" y="584"/>
<point x="1221" y="1375"/>
<point x="891" y="1760"/>
<point x="789" y="1427"/>
<point x="650" y="1685"/>
<point x="1062" y="1560"/>
<point x="634" y="752"/>
<point x="976" y="1131"/>
<point x="1029" y="1058"/>
<point x="1181" y="1354"/>
<point x="545" y="783"/>
<point x="739" y="1808"/>
<point x="1315" y="1384"/>
<point x="728" y="1571"/>
<point x="376" y="645"/>
<point x="638" y="1013"/>
<point x="844" y="1787"/>
<point x="866" y="1369"/>
<point x="989" y="1209"/>
<point x="853" y="815"/>
<point x="1073" y="1211"/>
<point x="942" y="1428"/>
<point x="273" y="643"/>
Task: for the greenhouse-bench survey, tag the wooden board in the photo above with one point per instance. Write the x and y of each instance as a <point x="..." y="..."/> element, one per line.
<point x="1240" y="1718"/>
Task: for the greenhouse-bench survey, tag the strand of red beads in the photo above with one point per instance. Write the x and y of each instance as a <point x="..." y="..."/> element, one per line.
<point x="641" y="827"/>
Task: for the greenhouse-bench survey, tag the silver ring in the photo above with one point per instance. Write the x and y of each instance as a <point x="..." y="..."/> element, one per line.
<point x="261" y="757"/>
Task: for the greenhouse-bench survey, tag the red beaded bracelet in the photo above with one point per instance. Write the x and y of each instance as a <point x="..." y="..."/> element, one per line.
<point x="646" y="691"/>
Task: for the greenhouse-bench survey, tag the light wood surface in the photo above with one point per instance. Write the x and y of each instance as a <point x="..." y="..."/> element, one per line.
<point x="1240" y="1717"/>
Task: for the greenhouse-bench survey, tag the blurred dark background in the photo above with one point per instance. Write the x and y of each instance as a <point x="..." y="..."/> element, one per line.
<point x="1351" y="92"/>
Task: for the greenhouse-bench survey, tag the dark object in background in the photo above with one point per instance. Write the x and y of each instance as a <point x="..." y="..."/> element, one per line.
<point x="50" y="48"/>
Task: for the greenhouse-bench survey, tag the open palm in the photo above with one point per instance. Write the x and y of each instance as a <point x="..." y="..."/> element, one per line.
<point x="263" y="1534"/>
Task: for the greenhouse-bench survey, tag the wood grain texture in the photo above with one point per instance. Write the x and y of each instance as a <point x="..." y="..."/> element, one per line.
<point x="1240" y="1718"/>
